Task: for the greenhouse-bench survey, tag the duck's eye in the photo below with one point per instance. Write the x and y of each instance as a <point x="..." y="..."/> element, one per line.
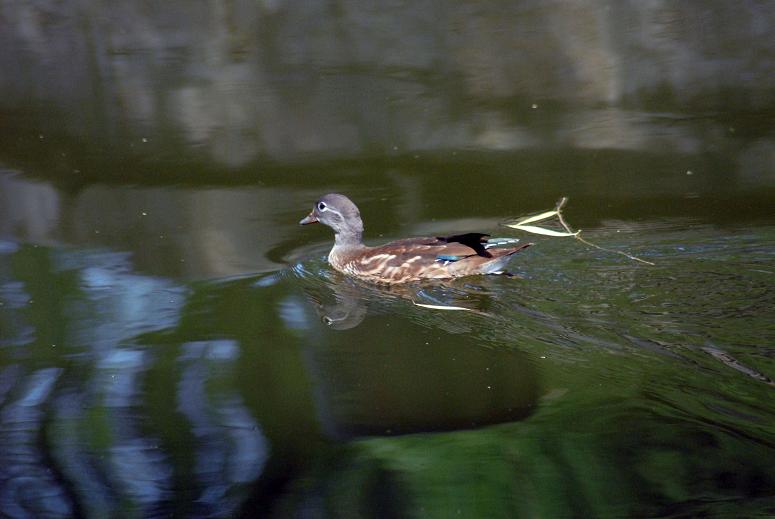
<point x="321" y="206"/>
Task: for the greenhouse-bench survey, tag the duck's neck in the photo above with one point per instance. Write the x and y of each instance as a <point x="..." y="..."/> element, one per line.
<point x="346" y="247"/>
<point x="348" y="240"/>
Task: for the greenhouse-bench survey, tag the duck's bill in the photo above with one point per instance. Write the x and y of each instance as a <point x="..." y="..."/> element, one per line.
<point x="310" y="218"/>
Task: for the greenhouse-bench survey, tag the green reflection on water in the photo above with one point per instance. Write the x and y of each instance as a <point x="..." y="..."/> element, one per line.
<point x="622" y="396"/>
<point x="146" y="167"/>
<point x="582" y="459"/>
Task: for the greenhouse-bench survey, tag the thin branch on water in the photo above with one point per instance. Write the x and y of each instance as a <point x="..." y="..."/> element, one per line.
<point x="560" y="204"/>
<point x="453" y="308"/>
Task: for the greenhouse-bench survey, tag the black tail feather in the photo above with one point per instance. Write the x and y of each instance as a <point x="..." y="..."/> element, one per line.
<point x="475" y="240"/>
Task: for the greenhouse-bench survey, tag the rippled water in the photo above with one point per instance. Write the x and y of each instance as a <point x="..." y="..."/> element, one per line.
<point x="172" y="343"/>
<point x="586" y="380"/>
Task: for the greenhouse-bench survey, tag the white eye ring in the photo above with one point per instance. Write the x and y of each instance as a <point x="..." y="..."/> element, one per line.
<point x="322" y="206"/>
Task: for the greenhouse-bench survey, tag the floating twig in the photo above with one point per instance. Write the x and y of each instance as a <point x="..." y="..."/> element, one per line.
<point x="522" y="226"/>
<point x="560" y="204"/>
<point x="452" y="308"/>
<point x="442" y="307"/>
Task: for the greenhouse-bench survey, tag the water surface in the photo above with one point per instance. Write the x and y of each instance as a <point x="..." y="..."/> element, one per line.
<point x="173" y="343"/>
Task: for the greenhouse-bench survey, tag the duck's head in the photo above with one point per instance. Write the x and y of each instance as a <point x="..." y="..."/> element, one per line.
<point x="338" y="212"/>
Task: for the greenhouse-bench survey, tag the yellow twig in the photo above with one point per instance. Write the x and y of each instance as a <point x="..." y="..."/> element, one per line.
<point x="560" y="204"/>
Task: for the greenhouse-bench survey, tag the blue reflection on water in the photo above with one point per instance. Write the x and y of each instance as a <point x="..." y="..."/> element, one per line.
<point x="75" y="435"/>
<point x="27" y="484"/>
<point x="230" y="447"/>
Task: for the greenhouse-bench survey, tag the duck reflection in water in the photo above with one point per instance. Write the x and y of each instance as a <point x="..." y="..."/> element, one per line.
<point x="345" y="302"/>
<point x="343" y="309"/>
<point x="425" y="371"/>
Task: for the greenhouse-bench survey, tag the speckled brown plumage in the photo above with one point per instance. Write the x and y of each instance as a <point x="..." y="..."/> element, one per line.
<point x="406" y="260"/>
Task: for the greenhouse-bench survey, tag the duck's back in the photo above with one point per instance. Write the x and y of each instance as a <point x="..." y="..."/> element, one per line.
<point x="413" y="259"/>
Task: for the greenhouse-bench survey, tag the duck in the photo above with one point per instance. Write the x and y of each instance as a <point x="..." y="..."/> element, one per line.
<point x="410" y="259"/>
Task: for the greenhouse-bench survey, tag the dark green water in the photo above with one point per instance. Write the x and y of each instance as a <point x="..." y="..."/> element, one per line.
<point x="172" y="343"/>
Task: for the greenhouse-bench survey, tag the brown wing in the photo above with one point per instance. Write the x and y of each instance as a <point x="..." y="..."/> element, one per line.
<point x="481" y="265"/>
<point x="413" y="258"/>
<point x="429" y="249"/>
<point x="429" y="258"/>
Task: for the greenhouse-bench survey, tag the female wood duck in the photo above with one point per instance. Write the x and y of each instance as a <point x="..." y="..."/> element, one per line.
<point x="411" y="259"/>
